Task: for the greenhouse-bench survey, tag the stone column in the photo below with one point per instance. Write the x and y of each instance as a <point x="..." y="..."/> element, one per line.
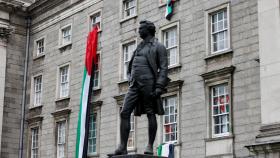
<point x="4" y="33"/>
<point x="269" y="39"/>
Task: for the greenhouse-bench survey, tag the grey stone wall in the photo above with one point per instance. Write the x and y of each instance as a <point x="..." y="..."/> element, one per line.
<point x="193" y="110"/>
<point x="13" y="87"/>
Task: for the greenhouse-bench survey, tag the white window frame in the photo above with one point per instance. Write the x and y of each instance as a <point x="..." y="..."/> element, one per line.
<point x="61" y="39"/>
<point x="123" y="66"/>
<point x="96" y="109"/>
<point x="209" y="34"/>
<point x="36" y="148"/>
<point x="94" y="114"/>
<point x="229" y="133"/>
<point x="61" y="143"/>
<point x="37" y="52"/>
<point x="124" y="9"/>
<point x="94" y="14"/>
<point x="97" y="72"/>
<point x="175" y="96"/>
<point x="162" y="38"/>
<point x="33" y="99"/>
<point x="59" y="81"/>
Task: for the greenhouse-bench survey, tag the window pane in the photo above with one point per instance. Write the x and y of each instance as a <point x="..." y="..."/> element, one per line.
<point x="220" y="107"/>
<point x="92" y="134"/>
<point x="170" y="121"/>
<point x="95" y="20"/>
<point x="219" y="31"/>
<point x="127" y="54"/>
<point x="64" y="81"/>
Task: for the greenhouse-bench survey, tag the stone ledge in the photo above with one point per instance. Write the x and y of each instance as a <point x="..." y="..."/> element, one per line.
<point x="137" y="156"/>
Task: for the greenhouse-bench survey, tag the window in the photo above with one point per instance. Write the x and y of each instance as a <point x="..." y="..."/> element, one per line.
<point x="64" y="81"/>
<point x="131" y="137"/>
<point x="170" y="41"/>
<point x="129" y="8"/>
<point x="220" y="110"/>
<point x="92" y="134"/>
<point x="170" y="132"/>
<point x="93" y="131"/>
<point x="96" y="74"/>
<point x="128" y="50"/>
<point x="219" y="31"/>
<point x="96" y="20"/>
<point x="66" y="35"/>
<point x="37" y="90"/>
<point x="40" y="49"/>
<point x="61" y="139"/>
<point x="169" y="36"/>
<point x="35" y="142"/>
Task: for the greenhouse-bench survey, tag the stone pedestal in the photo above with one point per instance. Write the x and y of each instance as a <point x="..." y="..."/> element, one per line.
<point x="137" y="156"/>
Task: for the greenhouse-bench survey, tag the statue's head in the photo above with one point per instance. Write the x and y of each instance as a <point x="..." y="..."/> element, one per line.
<point x="146" y="28"/>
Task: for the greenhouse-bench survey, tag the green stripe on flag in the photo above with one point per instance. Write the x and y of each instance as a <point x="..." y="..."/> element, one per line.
<point x="80" y="115"/>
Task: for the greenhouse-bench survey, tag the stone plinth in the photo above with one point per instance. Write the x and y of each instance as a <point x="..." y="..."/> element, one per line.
<point x="137" y="156"/>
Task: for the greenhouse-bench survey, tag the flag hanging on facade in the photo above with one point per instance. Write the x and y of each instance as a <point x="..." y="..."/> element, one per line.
<point x="166" y="150"/>
<point x="169" y="9"/>
<point x="82" y="128"/>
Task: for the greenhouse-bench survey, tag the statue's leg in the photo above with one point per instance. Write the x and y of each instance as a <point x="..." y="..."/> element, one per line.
<point x="128" y="107"/>
<point x="152" y="121"/>
<point x="152" y="128"/>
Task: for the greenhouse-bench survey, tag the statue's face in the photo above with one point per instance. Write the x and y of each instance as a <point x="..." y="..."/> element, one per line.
<point x="143" y="31"/>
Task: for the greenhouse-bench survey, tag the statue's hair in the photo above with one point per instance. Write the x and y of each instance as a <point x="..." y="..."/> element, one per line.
<point x="151" y="27"/>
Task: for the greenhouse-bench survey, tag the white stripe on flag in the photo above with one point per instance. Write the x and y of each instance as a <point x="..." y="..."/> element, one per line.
<point x="83" y="115"/>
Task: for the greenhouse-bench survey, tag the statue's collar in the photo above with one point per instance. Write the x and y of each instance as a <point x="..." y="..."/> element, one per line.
<point x="151" y="40"/>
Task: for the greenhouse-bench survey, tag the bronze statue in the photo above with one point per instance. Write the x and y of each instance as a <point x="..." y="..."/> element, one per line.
<point x="147" y="76"/>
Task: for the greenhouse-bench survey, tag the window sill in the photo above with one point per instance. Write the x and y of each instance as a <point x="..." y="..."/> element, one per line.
<point x="39" y="56"/>
<point x="35" y="107"/>
<point x="93" y="155"/>
<point x="219" y="138"/>
<point x="96" y="88"/>
<point x="174" y="66"/>
<point x="210" y="56"/>
<point x="65" y="45"/>
<point x="62" y="99"/>
<point x="122" y="82"/>
<point x="128" y="18"/>
<point x="161" y="5"/>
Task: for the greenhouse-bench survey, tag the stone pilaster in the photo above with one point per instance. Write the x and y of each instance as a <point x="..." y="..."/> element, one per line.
<point x="4" y="34"/>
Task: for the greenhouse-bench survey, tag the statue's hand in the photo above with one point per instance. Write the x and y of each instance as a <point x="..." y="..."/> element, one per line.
<point x="157" y="92"/>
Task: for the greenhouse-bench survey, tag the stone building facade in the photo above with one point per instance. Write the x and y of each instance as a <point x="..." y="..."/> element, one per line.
<point x="223" y="62"/>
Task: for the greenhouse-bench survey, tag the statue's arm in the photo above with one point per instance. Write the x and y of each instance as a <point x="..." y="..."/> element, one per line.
<point x="162" y="62"/>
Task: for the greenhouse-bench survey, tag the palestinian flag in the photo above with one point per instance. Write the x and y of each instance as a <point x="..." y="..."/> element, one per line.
<point x="169" y="9"/>
<point x="166" y="150"/>
<point x="83" y="120"/>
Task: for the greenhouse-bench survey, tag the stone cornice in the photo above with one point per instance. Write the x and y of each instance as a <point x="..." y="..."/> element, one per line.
<point x="264" y="147"/>
<point x="119" y="99"/>
<point x="61" y="112"/>
<point x="217" y="73"/>
<point x="43" y="5"/>
<point x="97" y="103"/>
<point x="34" y="119"/>
<point x="62" y="14"/>
<point x="14" y="5"/>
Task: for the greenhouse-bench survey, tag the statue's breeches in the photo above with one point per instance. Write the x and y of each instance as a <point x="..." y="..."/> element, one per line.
<point x="139" y="92"/>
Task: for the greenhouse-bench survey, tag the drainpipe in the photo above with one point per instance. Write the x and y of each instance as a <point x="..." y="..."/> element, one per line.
<point x="23" y="101"/>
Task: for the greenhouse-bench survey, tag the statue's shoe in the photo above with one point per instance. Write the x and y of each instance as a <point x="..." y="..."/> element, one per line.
<point x="149" y="150"/>
<point x="119" y="151"/>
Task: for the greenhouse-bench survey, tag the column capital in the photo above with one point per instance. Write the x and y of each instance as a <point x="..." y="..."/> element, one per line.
<point x="5" y="32"/>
